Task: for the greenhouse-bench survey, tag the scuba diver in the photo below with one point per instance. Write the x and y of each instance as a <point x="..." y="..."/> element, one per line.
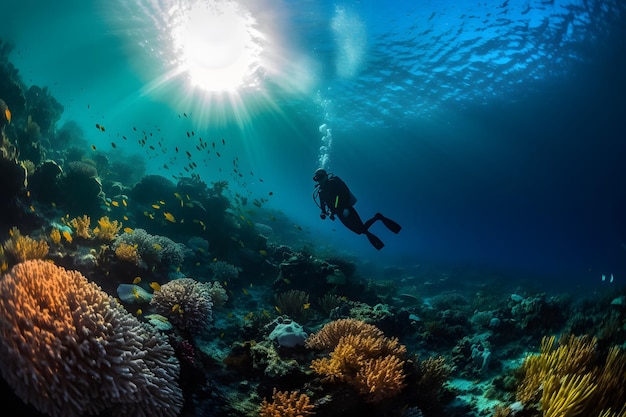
<point x="334" y="198"/>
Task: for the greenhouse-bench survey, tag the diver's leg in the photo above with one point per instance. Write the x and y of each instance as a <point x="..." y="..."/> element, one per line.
<point x="374" y="240"/>
<point x="353" y="221"/>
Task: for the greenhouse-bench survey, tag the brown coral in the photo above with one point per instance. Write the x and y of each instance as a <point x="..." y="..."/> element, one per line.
<point x="285" y="404"/>
<point x="70" y="349"/>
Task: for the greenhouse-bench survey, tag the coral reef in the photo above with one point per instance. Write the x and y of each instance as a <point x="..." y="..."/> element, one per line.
<point x="186" y="303"/>
<point x="70" y="349"/>
<point x="572" y="378"/>
<point x="362" y="356"/>
<point x="286" y="404"/>
<point x="22" y="248"/>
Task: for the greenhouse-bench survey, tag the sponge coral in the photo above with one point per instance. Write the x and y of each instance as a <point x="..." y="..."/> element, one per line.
<point x="70" y="349"/>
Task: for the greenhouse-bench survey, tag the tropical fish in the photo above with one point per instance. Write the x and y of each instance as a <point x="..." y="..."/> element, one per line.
<point x="128" y="230"/>
<point x="169" y="217"/>
<point x="155" y="286"/>
<point x="157" y="246"/>
<point x="115" y="203"/>
<point x="137" y="280"/>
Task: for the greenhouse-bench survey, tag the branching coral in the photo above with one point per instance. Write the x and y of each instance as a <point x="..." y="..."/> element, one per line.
<point x="107" y="230"/>
<point x="81" y="226"/>
<point x="380" y="378"/>
<point x="285" y="404"/>
<point x="70" y="349"/>
<point x="186" y="303"/>
<point x="22" y="248"/>
<point x="362" y="356"/>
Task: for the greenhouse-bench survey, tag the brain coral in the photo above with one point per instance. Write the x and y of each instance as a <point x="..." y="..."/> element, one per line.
<point x="70" y="349"/>
<point x="186" y="303"/>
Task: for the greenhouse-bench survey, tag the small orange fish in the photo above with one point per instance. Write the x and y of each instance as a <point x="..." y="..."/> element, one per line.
<point x="169" y="217"/>
<point x="128" y="229"/>
<point x="67" y="236"/>
<point x="155" y="286"/>
<point x="115" y="203"/>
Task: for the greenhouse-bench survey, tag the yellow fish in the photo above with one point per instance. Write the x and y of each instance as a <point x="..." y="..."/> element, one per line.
<point x="137" y="280"/>
<point x="67" y="236"/>
<point x="306" y="306"/>
<point x="169" y="217"/>
<point x="126" y="218"/>
<point x="139" y="312"/>
<point x="157" y="246"/>
<point x="278" y="309"/>
<point x="124" y="203"/>
<point x="245" y="292"/>
<point x="263" y="252"/>
<point x="155" y="286"/>
<point x="128" y="229"/>
<point x="115" y="203"/>
<point x="7" y="114"/>
<point x="156" y="206"/>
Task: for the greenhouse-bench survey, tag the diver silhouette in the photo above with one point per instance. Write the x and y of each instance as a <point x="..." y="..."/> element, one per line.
<point x="334" y="198"/>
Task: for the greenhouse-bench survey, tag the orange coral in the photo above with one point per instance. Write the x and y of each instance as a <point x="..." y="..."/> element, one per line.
<point x="22" y="248"/>
<point x="328" y="337"/>
<point x="285" y="404"/>
<point x="363" y="357"/>
<point x="380" y="378"/>
<point x="127" y="252"/>
<point x="70" y="349"/>
<point x="107" y="229"/>
<point x="81" y="226"/>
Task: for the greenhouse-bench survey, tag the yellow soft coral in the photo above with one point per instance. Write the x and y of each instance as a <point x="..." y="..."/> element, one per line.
<point x="23" y="248"/>
<point x="127" y="252"/>
<point x="107" y="229"/>
<point x="81" y="226"/>
<point x="285" y="404"/>
<point x="574" y="379"/>
<point x="55" y="236"/>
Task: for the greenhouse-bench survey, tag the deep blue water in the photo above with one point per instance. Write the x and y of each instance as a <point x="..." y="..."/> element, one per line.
<point x="493" y="131"/>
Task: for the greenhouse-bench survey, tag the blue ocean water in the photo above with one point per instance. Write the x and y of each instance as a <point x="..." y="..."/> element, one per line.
<point x="492" y="131"/>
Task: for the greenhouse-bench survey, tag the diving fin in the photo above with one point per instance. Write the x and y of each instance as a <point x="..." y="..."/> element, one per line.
<point x="375" y="241"/>
<point x="390" y="224"/>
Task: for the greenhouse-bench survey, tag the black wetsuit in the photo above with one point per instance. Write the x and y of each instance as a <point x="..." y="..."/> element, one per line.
<point x="335" y="196"/>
